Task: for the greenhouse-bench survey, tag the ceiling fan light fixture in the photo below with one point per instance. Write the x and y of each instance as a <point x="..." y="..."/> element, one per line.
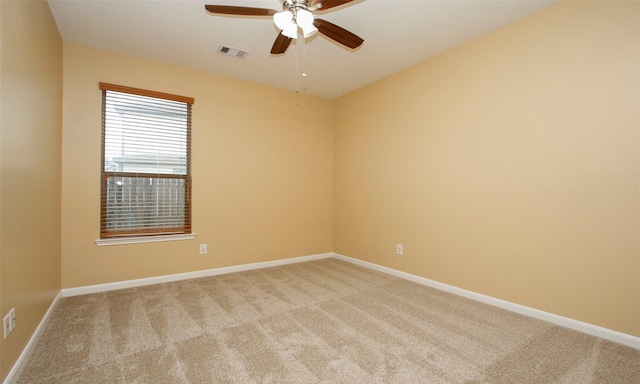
<point x="291" y="31"/>
<point x="309" y="31"/>
<point x="304" y="19"/>
<point x="283" y="19"/>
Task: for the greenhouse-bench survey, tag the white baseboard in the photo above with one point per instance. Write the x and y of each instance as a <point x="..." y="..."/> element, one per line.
<point x="68" y="292"/>
<point x="576" y="325"/>
<point x="15" y="370"/>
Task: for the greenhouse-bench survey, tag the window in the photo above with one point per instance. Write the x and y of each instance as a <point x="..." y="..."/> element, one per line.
<point x="146" y="163"/>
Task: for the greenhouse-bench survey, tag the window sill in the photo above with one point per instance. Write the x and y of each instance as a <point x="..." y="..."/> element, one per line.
<point x="143" y="239"/>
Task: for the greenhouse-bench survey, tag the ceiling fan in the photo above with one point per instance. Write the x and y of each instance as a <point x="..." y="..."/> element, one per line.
<point x="296" y="14"/>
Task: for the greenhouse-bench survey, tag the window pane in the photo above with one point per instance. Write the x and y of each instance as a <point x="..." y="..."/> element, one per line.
<point x="144" y="203"/>
<point x="146" y="181"/>
<point x="144" y="134"/>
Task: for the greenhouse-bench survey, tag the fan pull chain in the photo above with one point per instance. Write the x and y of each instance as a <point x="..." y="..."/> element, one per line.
<point x="297" y="65"/>
<point x="304" y="57"/>
<point x="304" y="61"/>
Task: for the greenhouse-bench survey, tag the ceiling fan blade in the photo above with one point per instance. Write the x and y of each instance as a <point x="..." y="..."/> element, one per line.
<point x="326" y="4"/>
<point x="240" y="11"/>
<point x="281" y="44"/>
<point x="338" y="34"/>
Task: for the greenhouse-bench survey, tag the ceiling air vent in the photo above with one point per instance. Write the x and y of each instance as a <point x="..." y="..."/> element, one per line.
<point x="233" y="52"/>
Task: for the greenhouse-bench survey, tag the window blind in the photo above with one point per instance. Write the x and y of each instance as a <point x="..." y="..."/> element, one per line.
<point x="146" y="163"/>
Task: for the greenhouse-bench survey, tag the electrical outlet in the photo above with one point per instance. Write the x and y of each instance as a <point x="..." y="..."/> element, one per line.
<point x="399" y="249"/>
<point x="7" y="325"/>
<point x="203" y="249"/>
<point x="12" y="319"/>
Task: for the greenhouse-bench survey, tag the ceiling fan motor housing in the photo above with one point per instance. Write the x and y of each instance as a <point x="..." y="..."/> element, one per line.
<point x="300" y="4"/>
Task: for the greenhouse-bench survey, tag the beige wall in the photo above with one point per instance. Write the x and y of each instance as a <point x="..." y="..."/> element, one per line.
<point x="509" y="166"/>
<point x="262" y="171"/>
<point x="30" y="152"/>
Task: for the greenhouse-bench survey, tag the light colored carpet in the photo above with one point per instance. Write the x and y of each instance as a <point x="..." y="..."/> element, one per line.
<point x="324" y="321"/>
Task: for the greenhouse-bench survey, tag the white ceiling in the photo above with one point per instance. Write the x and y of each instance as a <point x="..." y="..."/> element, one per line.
<point x="396" y="33"/>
